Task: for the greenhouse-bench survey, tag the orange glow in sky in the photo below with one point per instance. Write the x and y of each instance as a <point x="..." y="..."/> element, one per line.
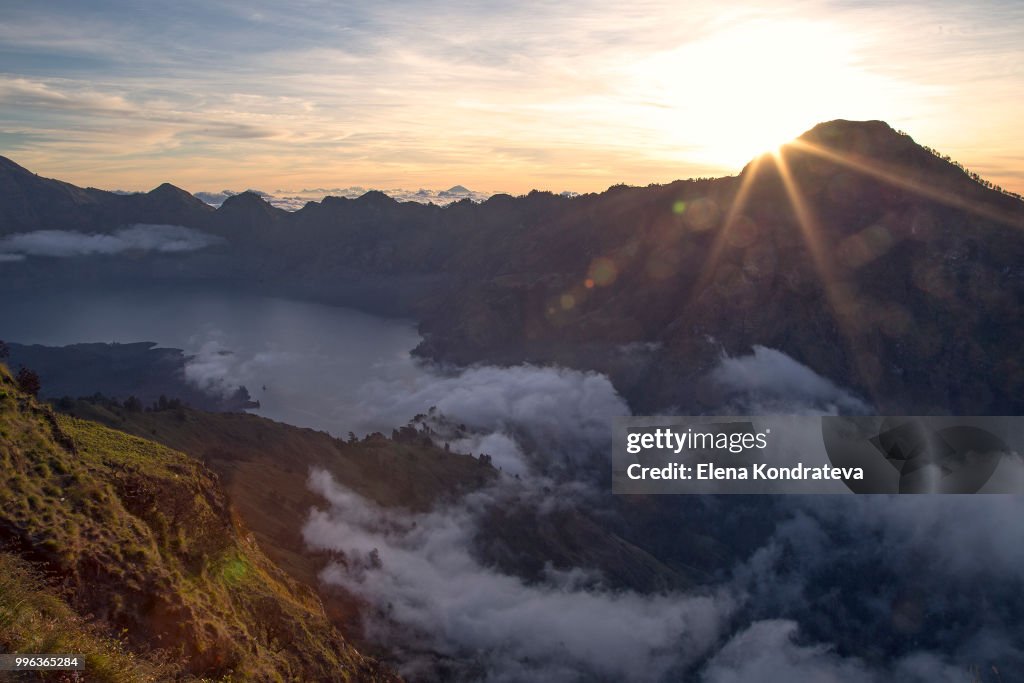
<point x="505" y="97"/>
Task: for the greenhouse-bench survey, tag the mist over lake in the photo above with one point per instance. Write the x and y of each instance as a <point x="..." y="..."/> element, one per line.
<point x="307" y="364"/>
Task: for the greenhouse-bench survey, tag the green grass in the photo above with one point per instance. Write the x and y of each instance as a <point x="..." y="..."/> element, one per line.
<point x="147" y="543"/>
<point x="35" y="619"/>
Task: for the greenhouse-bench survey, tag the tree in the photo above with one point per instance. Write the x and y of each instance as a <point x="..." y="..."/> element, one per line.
<point x="28" y="381"/>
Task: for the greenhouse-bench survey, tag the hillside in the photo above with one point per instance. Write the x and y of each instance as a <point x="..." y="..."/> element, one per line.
<point x="35" y="618"/>
<point x="265" y="465"/>
<point x="29" y="201"/>
<point x="143" y="542"/>
<point x="855" y="251"/>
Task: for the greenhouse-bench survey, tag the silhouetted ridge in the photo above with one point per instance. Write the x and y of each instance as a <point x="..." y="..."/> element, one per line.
<point x="249" y="204"/>
<point x="181" y="206"/>
<point x="895" y="151"/>
<point x="376" y="198"/>
<point x="8" y="164"/>
<point x="844" y="128"/>
<point x="166" y="189"/>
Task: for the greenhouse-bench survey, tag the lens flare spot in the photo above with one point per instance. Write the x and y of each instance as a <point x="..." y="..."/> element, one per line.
<point x="602" y="271"/>
<point x="864" y="247"/>
<point x="702" y="214"/>
<point x="588" y="283"/>
<point x="743" y="232"/>
<point x="679" y="207"/>
<point x="568" y="301"/>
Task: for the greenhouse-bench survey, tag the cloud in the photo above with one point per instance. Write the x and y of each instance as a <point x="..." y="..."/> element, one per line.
<point x="220" y="371"/>
<point x="765" y="651"/>
<point x="213" y="369"/>
<point x="834" y="594"/>
<point x="927" y="584"/>
<point x="450" y="613"/>
<point x="140" y="237"/>
<point x="981" y="537"/>
<point x="583" y="96"/>
<point x="769" y="651"/>
<point x="560" y="417"/>
<point x="505" y="453"/>
<point x="844" y="589"/>
<point x="768" y="381"/>
<point x="38" y="94"/>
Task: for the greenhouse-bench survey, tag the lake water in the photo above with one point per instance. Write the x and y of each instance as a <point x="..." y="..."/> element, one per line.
<point x="308" y="364"/>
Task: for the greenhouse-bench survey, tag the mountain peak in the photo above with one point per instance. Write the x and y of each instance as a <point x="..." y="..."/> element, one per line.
<point x="247" y="198"/>
<point x="177" y="203"/>
<point x="376" y="197"/>
<point x="866" y="137"/>
<point x="12" y="166"/>
<point x="168" y="190"/>
<point x="842" y="126"/>
<point x="250" y="206"/>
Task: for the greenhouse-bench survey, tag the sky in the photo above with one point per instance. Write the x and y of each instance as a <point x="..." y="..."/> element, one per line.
<point x="495" y="96"/>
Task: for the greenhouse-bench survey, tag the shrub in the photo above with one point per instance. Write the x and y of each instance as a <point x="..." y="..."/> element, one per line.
<point x="28" y="381"/>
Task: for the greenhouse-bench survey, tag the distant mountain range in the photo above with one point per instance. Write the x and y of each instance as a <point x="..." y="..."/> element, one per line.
<point x="869" y="258"/>
<point x="293" y="200"/>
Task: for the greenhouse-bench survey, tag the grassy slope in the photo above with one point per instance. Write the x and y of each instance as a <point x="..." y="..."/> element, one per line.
<point x="34" y="618"/>
<point x="410" y="473"/>
<point x="145" y="543"/>
<point x="264" y="467"/>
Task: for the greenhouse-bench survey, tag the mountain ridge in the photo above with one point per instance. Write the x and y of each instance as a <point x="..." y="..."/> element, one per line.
<point x="876" y="131"/>
<point x="854" y="231"/>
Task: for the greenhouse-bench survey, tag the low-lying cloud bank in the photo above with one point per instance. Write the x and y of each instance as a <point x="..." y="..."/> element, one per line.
<point x="844" y="591"/>
<point x="451" y="613"/>
<point x="217" y="370"/>
<point x="840" y="589"/>
<point x="141" y="237"/>
<point x="830" y="596"/>
<point x="768" y="381"/>
<point x="770" y="651"/>
<point x="555" y="418"/>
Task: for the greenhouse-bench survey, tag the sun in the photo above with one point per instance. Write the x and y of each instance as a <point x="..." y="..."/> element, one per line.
<point x="748" y="88"/>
